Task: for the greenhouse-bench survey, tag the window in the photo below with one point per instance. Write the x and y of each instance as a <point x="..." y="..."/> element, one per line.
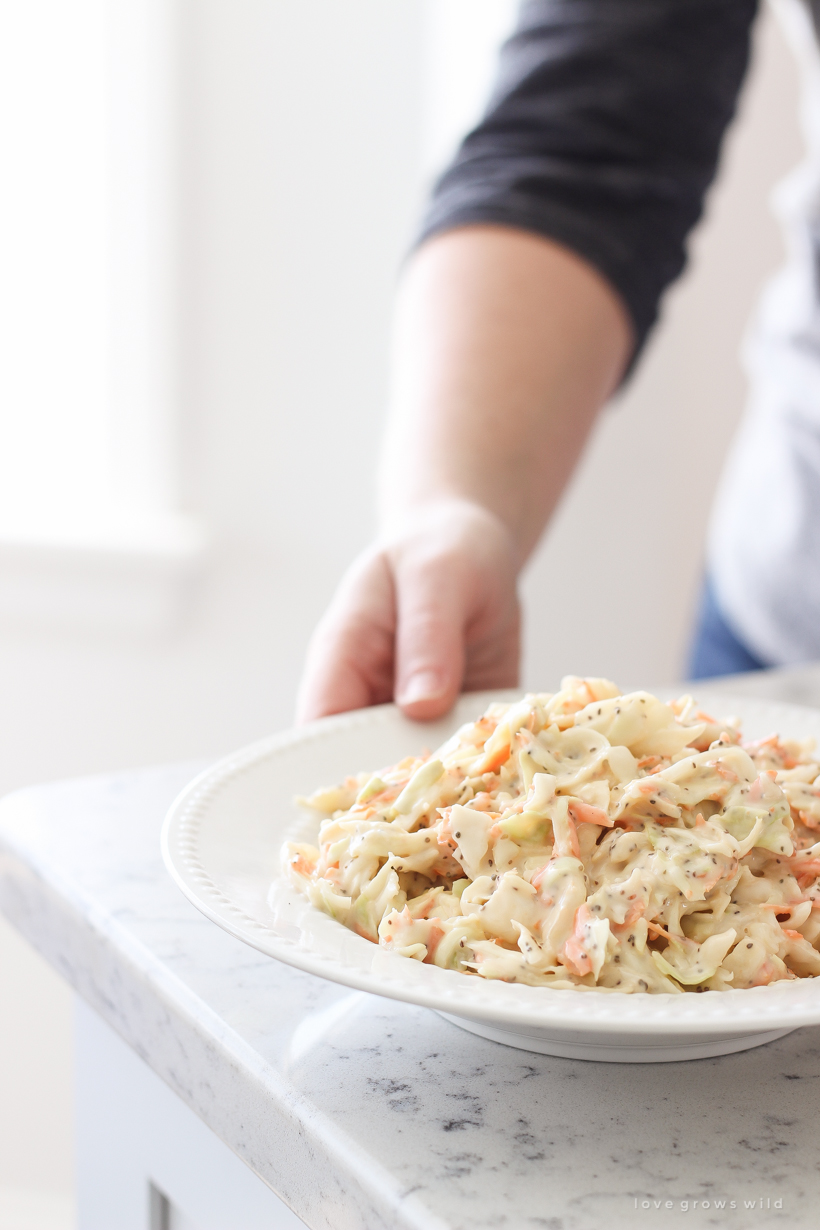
<point x="53" y="244"/>
<point x="87" y="347"/>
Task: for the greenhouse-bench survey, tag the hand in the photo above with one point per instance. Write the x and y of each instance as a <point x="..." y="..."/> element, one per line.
<point x="426" y="613"/>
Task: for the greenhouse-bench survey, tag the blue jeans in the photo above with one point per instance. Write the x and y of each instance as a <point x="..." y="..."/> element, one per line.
<point x="715" y="649"/>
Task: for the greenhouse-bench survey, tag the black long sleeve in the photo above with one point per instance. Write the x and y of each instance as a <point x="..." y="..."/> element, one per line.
<point x="603" y="133"/>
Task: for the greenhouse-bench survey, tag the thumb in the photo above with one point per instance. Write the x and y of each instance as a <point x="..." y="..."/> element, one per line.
<point x="430" y="654"/>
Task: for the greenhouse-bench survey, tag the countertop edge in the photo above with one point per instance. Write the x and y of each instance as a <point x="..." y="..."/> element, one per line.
<point x="286" y="1139"/>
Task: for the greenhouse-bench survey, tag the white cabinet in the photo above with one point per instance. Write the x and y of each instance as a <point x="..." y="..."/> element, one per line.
<point x="147" y="1162"/>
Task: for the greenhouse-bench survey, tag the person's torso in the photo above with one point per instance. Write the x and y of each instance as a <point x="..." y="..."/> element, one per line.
<point x="764" y="548"/>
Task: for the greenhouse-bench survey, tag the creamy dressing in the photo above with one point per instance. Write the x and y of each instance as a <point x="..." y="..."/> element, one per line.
<point x="582" y="839"/>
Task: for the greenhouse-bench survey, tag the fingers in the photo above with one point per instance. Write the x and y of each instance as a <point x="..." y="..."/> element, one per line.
<point x="431" y="611"/>
<point x="389" y="634"/>
<point x="418" y="620"/>
<point x="350" y="659"/>
<point x="494" y="651"/>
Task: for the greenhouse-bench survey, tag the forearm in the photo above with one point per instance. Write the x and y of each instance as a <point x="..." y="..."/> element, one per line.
<point x="506" y="347"/>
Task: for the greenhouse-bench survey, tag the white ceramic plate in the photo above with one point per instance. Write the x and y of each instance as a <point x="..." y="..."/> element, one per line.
<point x="221" y="844"/>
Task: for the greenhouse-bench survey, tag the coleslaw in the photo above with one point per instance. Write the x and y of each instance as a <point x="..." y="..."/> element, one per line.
<point x="583" y="839"/>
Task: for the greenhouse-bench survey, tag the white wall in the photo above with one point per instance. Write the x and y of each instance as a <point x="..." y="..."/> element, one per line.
<point x="304" y="154"/>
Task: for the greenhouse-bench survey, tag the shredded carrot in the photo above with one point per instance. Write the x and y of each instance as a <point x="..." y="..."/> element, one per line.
<point x="490" y="763"/>
<point x="433" y="940"/>
<point x="573" y="954"/>
<point x="301" y="866"/>
<point x="585" y="813"/>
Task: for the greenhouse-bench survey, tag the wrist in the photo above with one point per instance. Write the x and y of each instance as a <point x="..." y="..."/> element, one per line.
<point x="450" y="520"/>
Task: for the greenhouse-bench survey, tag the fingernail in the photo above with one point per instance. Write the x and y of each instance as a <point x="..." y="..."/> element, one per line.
<point x="425" y="685"/>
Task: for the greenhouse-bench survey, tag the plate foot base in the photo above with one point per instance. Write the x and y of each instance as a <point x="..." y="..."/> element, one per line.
<point x="637" y="1048"/>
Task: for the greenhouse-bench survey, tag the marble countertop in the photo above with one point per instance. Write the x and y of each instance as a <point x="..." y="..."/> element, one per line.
<point x="366" y="1114"/>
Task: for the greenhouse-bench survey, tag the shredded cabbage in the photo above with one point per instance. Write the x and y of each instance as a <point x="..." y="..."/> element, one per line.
<point x="583" y="839"/>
